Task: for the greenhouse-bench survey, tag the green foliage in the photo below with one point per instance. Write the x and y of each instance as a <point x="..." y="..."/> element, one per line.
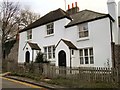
<point x="39" y="58"/>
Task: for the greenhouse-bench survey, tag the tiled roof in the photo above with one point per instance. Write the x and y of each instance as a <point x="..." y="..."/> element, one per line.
<point x="34" y="46"/>
<point x="78" y="18"/>
<point x="50" y="17"/>
<point x="68" y="43"/>
<point x="85" y="16"/>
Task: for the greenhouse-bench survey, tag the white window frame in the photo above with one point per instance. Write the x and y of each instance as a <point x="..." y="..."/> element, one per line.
<point x="83" y="30"/>
<point x="89" y="56"/>
<point x="50" y="52"/>
<point x="29" y="34"/>
<point x="50" y="29"/>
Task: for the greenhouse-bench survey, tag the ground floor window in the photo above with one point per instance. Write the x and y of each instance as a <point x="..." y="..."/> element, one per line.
<point x="49" y="52"/>
<point x="86" y="56"/>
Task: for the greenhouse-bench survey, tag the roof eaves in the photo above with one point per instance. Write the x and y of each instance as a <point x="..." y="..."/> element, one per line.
<point x="45" y="23"/>
<point x="107" y="15"/>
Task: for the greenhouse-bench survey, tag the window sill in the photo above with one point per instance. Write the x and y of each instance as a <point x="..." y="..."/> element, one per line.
<point x="83" y="39"/>
<point x="49" y="35"/>
<point x="29" y="40"/>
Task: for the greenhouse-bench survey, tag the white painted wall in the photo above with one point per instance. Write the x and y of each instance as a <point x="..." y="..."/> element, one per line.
<point x="64" y="47"/>
<point x="39" y="37"/>
<point x="119" y="8"/>
<point x="99" y="39"/>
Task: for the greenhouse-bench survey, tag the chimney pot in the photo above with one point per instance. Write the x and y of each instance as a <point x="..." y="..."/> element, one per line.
<point x="76" y="4"/>
<point x="68" y="7"/>
<point x="72" y="5"/>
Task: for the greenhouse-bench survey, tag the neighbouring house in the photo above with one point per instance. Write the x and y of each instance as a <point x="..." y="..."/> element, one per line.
<point x="73" y="38"/>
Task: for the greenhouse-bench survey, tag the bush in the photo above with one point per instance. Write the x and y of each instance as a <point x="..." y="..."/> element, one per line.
<point x="39" y="58"/>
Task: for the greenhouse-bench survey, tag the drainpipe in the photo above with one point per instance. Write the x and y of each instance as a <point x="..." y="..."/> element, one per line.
<point x="112" y="46"/>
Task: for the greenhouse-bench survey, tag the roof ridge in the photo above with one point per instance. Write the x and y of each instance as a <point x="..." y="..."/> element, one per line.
<point x="90" y="11"/>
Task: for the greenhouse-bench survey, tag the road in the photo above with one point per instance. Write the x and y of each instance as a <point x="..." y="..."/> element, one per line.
<point x="10" y="83"/>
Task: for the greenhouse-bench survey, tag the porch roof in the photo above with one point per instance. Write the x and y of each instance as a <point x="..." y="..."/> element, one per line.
<point x="68" y="43"/>
<point x="34" y="46"/>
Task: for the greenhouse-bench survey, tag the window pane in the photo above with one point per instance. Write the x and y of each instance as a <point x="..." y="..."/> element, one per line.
<point x="86" y="60"/>
<point x="72" y="52"/>
<point x="50" y="28"/>
<point x="85" y="33"/>
<point x="91" y="51"/>
<point x="29" y="34"/>
<point x="86" y="52"/>
<point x="49" y="56"/>
<point x="81" y="52"/>
<point x="49" y="49"/>
<point x="91" y="60"/>
<point x="30" y="37"/>
<point x="83" y="30"/>
<point x="81" y="60"/>
<point x="53" y="51"/>
<point x="45" y="49"/>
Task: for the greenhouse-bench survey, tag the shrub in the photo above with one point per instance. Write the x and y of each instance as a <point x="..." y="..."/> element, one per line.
<point x="39" y="58"/>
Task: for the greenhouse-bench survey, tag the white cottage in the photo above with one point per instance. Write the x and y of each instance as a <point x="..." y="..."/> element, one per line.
<point x="73" y="38"/>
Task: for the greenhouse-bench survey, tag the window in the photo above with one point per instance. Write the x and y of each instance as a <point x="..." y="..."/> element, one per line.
<point x="81" y="56"/>
<point x="83" y="30"/>
<point x="49" y="52"/>
<point x="86" y="56"/>
<point x="72" y="52"/>
<point x="29" y="34"/>
<point x="50" y="28"/>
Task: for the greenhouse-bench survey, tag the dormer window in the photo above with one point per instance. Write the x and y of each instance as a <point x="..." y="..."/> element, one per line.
<point x="50" y="28"/>
<point x="29" y="34"/>
<point x="83" y="30"/>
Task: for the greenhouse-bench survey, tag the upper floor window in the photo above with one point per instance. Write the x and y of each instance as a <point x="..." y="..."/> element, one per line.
<point x="29" y="34"/>
<point x="86" y="56"/>
<point x="83" y="30"/>
<point x="50" y="28"/>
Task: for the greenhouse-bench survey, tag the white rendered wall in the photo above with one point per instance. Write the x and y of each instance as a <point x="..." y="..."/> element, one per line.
<point x="39" y="37"/>
<point x="99" y="39"/>
<point x="64" y="47"/>
<point x="119" y="8"/>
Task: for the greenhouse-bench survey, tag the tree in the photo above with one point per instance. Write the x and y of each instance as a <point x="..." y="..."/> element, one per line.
<point x="27" y="17"/>
<point x="8" y="13"/>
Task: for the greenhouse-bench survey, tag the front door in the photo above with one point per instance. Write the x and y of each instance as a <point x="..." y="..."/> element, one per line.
<point x="62" y="58"/>
<point x="27" y="57"/>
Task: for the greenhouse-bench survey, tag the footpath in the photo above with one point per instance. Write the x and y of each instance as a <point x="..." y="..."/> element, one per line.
<point x="34" y="82"/>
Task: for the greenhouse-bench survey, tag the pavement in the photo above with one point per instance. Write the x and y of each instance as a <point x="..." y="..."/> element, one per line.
<point x="34" y="82"/>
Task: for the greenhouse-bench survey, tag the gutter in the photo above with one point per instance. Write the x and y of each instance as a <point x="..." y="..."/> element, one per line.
<point x="107" y="15"/>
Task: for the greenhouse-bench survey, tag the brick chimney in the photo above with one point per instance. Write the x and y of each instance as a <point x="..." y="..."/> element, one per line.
<point x="73" y="10"/>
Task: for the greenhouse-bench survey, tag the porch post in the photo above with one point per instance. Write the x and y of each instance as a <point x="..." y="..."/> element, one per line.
<point x="70" y="61"/>
<point x="32" y="55"/>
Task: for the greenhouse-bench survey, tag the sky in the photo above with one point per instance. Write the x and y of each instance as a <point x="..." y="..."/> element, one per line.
<point x="45" y="6"/>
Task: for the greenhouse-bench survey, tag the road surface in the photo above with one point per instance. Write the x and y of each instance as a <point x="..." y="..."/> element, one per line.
<point x="10" y="83"/>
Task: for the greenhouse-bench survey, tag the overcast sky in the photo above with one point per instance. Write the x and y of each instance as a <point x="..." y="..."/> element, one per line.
<point x="44" y="6"/>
